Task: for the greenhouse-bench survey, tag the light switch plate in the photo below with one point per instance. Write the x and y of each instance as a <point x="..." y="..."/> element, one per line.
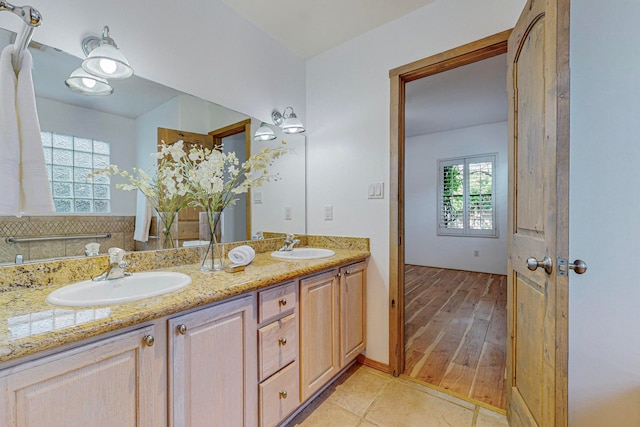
<point x="257" y="198"/>
<point x="287" y="212"/>
<point x="376" y="190"/>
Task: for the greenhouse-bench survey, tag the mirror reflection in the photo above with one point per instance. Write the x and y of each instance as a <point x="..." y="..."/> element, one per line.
<point x="81" y="133"/>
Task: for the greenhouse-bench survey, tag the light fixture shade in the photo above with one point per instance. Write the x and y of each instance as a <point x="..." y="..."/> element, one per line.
<point x="87" y="84"/>
<point x="264" y="133"/>
<point x="108" y="62"/>
<point x="291" y="125"/>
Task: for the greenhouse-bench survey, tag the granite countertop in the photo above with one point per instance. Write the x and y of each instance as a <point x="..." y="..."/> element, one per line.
<point x="29" y="325"/>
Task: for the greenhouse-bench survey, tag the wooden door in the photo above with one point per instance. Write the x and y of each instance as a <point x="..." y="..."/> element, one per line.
<point x="103" y="384"/>
<point x="213" y="366"/>
<point x="187" y="217"/>
<point x="353" y="312"/>
<point x="538" y="220"/>
<point x="319" y="343"/>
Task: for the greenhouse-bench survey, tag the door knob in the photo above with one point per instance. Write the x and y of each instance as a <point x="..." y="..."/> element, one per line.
<point x="546" y="263"/>
<point x="579" y="266"/>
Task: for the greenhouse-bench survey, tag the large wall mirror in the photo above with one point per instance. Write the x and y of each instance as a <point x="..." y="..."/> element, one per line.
<point x="129" y="120"/>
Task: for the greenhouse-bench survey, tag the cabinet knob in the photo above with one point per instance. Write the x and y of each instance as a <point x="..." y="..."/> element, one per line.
<point x="347" y="272"/>
<point x="182" y="329"/>
<point x="283" y="301"/>
<point x="339" y="275"/>
<point x="283" y="394"/>
<point x="148" y="340"/>
<point x="283" y="341"/>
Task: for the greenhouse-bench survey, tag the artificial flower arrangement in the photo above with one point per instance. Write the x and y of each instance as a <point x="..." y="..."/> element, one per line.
<point x="201" y="178"/>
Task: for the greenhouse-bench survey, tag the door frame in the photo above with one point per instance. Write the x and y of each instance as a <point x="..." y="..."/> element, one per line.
<point x="234" y="129"/>
<point x="463" y="55"/>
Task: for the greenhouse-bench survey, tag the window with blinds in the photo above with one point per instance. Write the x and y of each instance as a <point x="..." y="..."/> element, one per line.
<point x="466" y="196"/>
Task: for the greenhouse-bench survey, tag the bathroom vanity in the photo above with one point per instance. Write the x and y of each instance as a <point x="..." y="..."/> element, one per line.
<point x="242" y="349"/>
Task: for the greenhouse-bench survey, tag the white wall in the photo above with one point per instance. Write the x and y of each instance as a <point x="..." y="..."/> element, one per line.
<point x="288" y="191"/>
<point x="166" y="115"/>
<point x="348" y="128"/>
<point x="199" y="47"/>
<point x="119" y="131"/>
<point x="604" y="314"/>
<point x="423" y="246"/>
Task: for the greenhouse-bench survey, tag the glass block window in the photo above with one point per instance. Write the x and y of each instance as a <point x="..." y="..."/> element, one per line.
<point x="466" y="196"/>
<point x="69" y="161"/>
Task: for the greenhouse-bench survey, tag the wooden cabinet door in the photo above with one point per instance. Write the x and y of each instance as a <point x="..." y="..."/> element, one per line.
<point x="353" y="312"/>
<point x="319" y="323"/>
<point x="213" y="366"/>
<point x="105" y="384"/>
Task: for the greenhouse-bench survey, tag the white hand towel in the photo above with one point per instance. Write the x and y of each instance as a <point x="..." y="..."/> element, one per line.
<point x="144" y="212"/>
<point x="9" y="137"/>
<point x="242" y="255"/>
<point x="35" y="190"/>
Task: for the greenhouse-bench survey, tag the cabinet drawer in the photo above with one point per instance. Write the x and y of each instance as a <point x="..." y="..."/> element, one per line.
<point x="279" y="396"/>
<point x="278" y="345"/>
<point x="276" y="301"/>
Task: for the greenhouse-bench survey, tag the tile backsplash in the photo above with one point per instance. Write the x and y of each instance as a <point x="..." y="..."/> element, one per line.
<point x="120" y="228"/>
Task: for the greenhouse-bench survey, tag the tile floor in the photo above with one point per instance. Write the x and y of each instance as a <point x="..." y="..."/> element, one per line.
<point x="365" y="397"/>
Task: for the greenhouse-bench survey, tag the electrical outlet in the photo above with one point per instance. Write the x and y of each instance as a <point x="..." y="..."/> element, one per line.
<point x="476" y="253"/>
<point x="328" y="212"/>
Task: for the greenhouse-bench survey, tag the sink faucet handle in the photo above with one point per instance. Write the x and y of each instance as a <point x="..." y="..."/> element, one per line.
<point x="115" y="255"/>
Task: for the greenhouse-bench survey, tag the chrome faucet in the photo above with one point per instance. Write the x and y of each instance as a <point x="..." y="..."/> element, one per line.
<point x="117" y="266"/>
<point x="289" y="243"/>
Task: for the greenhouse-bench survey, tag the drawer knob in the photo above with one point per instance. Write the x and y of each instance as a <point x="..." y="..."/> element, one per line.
<point x="283" y="341"/>
<point x="148" y="340"/>
<point x="283" y="301"/>
<point x="283" y="394"/>
<point x="182" y="329"/>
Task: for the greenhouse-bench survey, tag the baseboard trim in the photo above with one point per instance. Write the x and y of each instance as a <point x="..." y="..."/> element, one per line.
<point x="374" y="364"/>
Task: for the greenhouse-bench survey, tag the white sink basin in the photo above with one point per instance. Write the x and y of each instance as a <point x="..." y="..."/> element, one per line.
<point x="105" y="292"/>
<point x="303" y="253"/>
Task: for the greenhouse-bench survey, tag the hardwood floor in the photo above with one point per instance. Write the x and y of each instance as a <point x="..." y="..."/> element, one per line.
<point x="456" y="330"/>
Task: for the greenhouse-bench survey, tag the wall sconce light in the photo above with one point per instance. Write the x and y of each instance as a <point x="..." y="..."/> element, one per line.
<point x="264" y="133"/>
<point x="84" y="83"/>
<point x="103" y="61"/>
<point x="287" y="121"/>
<point x="103" y="57"/>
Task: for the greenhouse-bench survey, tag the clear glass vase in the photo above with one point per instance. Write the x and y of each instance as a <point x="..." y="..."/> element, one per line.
<point x="212" y="252"/>
<point x="167" y="230"/>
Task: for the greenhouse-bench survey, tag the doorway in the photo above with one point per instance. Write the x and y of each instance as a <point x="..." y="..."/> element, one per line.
<point x="455" y="201"/>
<point x="469" y="54"/>
<point x="236" y="138"/>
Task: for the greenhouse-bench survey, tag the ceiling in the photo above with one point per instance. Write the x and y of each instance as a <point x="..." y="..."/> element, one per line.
<point x="310" y="27"/>
<point x="471" y="95"/>
<point x="131" y="97"/>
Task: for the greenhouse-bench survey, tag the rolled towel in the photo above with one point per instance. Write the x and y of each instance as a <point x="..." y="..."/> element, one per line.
<point x="242" y="255"/>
